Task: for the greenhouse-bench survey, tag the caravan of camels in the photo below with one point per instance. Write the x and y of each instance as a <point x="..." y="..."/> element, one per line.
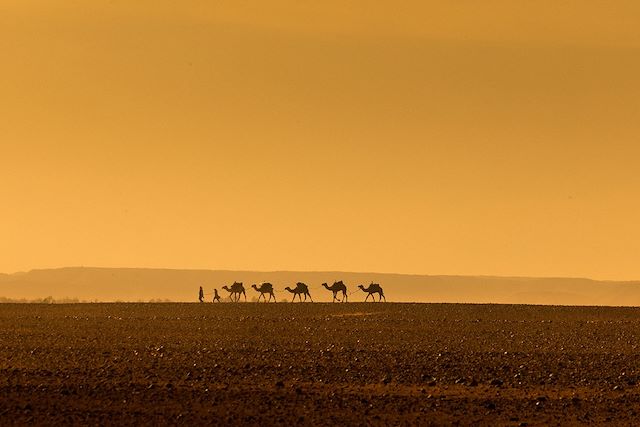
<point x="339" y="290"/>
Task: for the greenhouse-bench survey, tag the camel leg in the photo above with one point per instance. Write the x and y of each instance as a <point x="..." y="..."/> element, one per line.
<point x="309" y="297"/>
<point x="274" y="297"/>
<point x="382" y="296"/>
<point x="345" y="297"/>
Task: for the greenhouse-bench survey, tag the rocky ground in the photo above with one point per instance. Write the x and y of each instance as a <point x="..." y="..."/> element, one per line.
<point x="318" y="364"/>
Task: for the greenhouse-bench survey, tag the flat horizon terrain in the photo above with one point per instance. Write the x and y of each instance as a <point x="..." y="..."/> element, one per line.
<point x="318" y="364"/>
<point x="150" y="285"/>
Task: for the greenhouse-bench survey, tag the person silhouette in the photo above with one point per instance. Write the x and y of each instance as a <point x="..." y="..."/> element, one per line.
<point x="216" y="297"/>
<point x="201" y="295"/>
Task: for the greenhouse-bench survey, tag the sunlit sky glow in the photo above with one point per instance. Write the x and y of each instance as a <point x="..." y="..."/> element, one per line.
<point x="452" y="137"/>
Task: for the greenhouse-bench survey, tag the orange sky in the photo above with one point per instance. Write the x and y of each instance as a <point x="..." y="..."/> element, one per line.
<point x="452" y="137"/>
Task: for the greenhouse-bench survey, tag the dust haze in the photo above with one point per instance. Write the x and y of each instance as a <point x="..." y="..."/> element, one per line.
<point x="105" y="284"/>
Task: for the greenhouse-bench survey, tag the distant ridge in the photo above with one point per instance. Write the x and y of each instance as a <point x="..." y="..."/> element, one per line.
<point x="144" y="284"/>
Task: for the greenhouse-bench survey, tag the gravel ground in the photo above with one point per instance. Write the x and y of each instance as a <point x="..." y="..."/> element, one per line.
<point x="318" y="364"/>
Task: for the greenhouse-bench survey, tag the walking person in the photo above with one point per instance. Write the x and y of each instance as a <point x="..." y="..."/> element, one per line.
<point x="216" y="297"/>
<point x="201" y="294"/>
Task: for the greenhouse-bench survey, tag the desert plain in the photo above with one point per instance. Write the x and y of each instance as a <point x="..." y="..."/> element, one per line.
<point x="318" y="364"/>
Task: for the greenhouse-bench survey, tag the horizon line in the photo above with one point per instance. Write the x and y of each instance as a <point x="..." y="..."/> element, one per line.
<point x="494" y="276"/>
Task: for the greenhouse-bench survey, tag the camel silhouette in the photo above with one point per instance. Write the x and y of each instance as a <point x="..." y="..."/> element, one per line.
<point x="300" y="288"/>
<point x="265" y="288"/>
<point x="372" y="289"/>
<point x="236" y="290"/>
<point x="335" y="288"/>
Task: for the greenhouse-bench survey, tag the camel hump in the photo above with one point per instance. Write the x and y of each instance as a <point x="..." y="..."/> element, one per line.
<point x="237" y="287"/>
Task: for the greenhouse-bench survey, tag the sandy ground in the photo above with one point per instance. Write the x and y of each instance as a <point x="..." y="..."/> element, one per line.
<point x="318" y="364"/>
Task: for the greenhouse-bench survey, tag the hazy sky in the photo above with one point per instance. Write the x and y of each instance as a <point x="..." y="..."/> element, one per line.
<point x="450" y="137"/>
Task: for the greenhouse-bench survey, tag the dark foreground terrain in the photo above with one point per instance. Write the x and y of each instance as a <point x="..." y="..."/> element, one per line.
<point x="315" y="364"/>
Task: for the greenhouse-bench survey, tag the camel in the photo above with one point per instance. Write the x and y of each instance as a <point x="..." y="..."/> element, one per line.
<point x="300" y="288"/>
<point x="373" y="288"/>
<point x="236" y="290"/>
<point x="265" y="288"/>
<point x="335" y="288"/>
